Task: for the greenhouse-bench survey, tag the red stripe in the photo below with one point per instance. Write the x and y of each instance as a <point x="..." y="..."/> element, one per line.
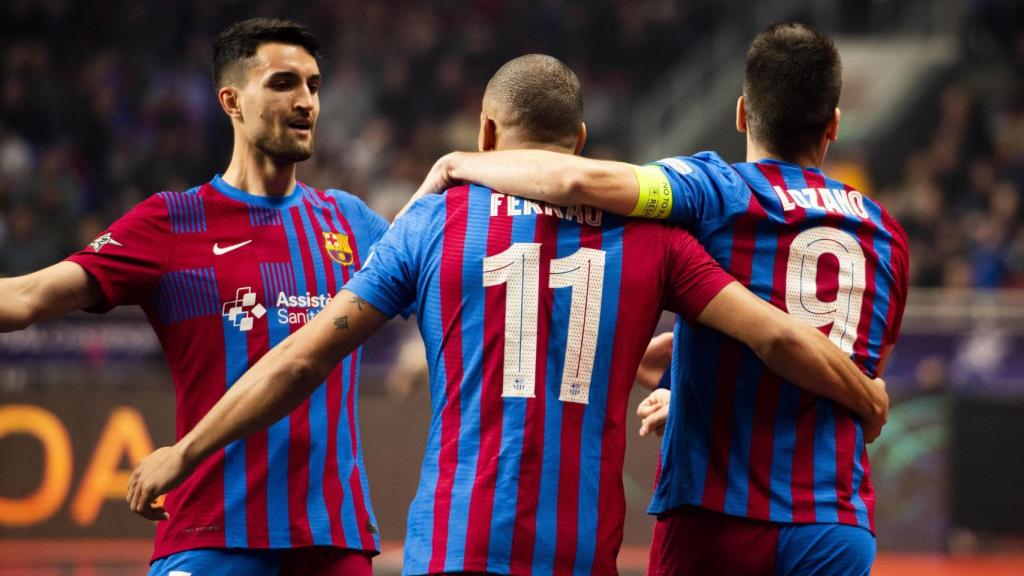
<point x="899" y="262"/>
<point x="762" y="444"/>
<point x="361" y="504"/>
<point x="354" y="480"/>
<point x="481" y="503"/>
<point x="720" y="436"/>
<point x="802" y="486"/>
<point x="331" y="484"/>
<point x="298" y="451"/>
<point x="802" y="480"/>
<point x="453" y="246"/>
<point x="632" y="333"/>
<point x="256" y="455"/>
<point x="525" y="531"/>
<point x="717" y="477"/>
<point x="567" y="523"/>
<point x="867" y="490"/>
<point x="846" y="447"/>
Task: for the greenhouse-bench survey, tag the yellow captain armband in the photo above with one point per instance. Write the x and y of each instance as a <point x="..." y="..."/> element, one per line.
<point x="655" y="199"/>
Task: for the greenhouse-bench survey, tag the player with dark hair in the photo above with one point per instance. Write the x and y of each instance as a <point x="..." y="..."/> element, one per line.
<point x="535" y="319"/>
<point x="749" y="461"/>
<point x="224" y="272"/>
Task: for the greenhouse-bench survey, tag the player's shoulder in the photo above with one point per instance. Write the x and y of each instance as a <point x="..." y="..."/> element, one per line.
<point x="706" y="163"/>
<point x="167" y="202"/>
<point x="350" y="204"/>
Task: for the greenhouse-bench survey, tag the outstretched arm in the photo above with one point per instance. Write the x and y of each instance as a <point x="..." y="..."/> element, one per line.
<point x="552" y="177"/>
<point x="45" y="294"/>
<point x="270" y="390"/>
<point x="798" y="353"/>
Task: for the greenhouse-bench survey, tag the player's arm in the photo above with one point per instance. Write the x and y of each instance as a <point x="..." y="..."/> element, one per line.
<point x="552" y="177"/>
<point x="655" y="361"/>
<point x="270" y="390"/>
<point x="50" y="292"/>
<point x="798" y="353"/>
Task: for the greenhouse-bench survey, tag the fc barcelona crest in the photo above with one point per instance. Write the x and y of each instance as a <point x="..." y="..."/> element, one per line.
<point x="338" y="248"/>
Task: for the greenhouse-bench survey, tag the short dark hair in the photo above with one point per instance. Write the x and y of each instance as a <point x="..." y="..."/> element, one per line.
<point x="240" y="41"/>
<point x="791" y="87"/>
<point x="540" y="95"/>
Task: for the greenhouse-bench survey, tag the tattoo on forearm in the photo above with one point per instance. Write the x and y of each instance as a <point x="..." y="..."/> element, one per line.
<point x="341" y="323"/>
<point x="358" y="302"/>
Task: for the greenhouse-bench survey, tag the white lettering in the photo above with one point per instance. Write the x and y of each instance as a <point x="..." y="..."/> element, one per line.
<point x="812" y="197"/>
<point x="495" y="202"/>
<point x="529" y="206"/>
<point x="842" y="201"/>
<point x="857" y="203"/>
<point x="513" y="206"/>
<point x="573" y="213"/>
<point x="827" y="201"/>
<point x="787" y="204"/>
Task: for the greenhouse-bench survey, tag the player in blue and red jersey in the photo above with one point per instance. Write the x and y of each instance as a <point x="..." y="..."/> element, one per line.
<point x="749" y="460"/>
<point x="225" y="272"/>
<point x="535" y="319"/>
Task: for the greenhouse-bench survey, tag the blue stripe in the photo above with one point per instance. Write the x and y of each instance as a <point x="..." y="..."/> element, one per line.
<point x="743" y="406"/>
<point x="235" y="528"/>
<point x="348" y="514"/>
<point x="343" y="444"/>
<point x="363" y="481"/>
<point x="298" y="270"/>
<point x="825" y="500"/>
<point x="594" y="414"/>
<point x="506" y="490"/>
<point x="783" y="447"/>
<point x="547" y="502"/>
<point x="319" y="519"/>
<point x="420" y="529"/>
<point x="278" y="439"/>
<point x="859" y="506"/>
<point x="473" y="315"/>
<point x="186" y="294"/>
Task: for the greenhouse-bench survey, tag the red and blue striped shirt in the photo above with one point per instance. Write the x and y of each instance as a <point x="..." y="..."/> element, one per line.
<point x="739" y="439"/>
<point x="535" y="319"/>
<point x="223" y="276"/>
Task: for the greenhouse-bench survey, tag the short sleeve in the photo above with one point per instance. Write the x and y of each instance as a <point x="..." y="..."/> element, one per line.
<point x="389" y="277"/>
<point x="705" y="189"/>
<point x="693" y="278"/>
<point x="128" y="258"/>
<point x="900" y="262"/>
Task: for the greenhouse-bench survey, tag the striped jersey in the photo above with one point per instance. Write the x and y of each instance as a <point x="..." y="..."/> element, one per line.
<point x="535" y="319"/>
<point x="223" y="276"/>
<point x="740" y="440"/>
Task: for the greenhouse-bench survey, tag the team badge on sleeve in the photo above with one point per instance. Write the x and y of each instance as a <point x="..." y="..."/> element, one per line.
<point x="338" y="248"/>
<point x="102" y="241"/>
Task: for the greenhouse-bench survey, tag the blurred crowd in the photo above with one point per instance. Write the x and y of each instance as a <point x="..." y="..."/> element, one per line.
<point x="102" y="104"/>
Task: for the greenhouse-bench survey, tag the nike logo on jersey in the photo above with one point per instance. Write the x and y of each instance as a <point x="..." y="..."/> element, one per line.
<point x="218" y="251"/>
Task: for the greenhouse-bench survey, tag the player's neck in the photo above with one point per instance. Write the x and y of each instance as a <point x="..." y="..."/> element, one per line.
<point x="756" y="153"/>
<point x="258" y="175"/>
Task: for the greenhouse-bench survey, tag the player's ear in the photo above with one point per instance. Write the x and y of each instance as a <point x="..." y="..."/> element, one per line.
<point x="741" y="115"/>
<point x="581" y="138"/>
<point x="230" y="102"/>
<point x="832" y="129"/>
<point x="488" y="134"/>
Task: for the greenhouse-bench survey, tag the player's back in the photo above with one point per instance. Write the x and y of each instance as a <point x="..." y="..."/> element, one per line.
<point x="534" y="319"/>
<point x="748" y="443"/>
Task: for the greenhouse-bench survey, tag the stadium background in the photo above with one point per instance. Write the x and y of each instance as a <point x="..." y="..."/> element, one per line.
<point x="102" y="104"/>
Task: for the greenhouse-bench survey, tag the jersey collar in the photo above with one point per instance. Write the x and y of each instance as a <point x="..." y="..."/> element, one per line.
<point x="278" y="202"/>
<point x="782" y="163"/>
